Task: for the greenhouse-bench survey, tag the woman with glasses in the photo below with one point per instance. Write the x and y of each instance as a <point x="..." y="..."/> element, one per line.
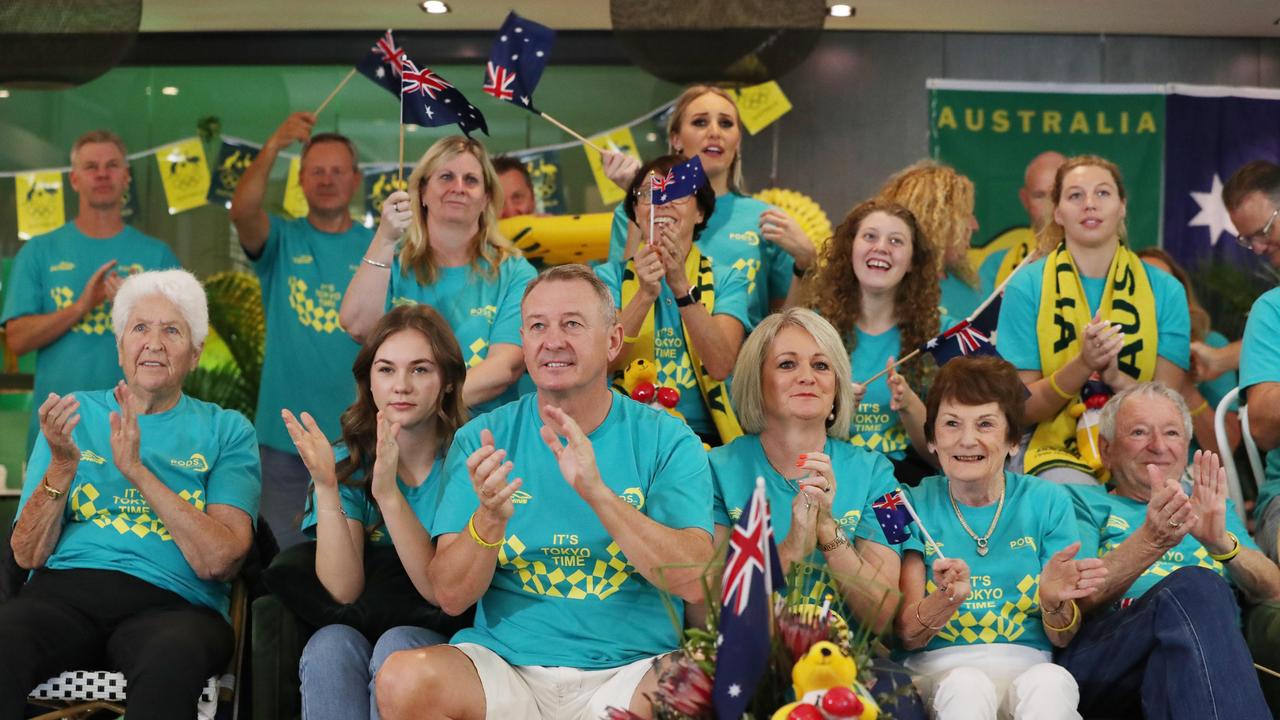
<point x="1090" y="312"/>
<point x="680" y="311"/>
<point x="439" y="245"/>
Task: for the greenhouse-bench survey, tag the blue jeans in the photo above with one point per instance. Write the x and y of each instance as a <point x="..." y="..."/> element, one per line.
<point x="285" y="481"/>
<point x="338" y="668"/>
<point x="1177" y="651"/>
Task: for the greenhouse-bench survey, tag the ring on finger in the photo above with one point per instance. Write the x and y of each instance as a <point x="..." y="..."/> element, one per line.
<point x="1174" y="523"/>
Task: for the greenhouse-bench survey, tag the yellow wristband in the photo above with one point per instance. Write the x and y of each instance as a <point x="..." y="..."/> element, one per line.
<point x="1075" y="620"/>
<point x="1200" y="408"/>
<point x="1230" y="554"/>
<point x="1053" y="383"/>
<point x="471" y="528"/>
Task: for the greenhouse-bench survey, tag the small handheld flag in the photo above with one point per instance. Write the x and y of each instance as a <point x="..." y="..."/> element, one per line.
<point x="891" y="513"/>
<point x="384" y="63"/>
<point x="517" y="59"/>
<point x="962" y="339"/>
<point x="681" y="181"/>
<point x="751" y="573"/>
<point x="431" y="101"/>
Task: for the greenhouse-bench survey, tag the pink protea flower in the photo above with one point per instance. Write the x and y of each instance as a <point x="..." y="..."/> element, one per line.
<point x="684" y="688"/>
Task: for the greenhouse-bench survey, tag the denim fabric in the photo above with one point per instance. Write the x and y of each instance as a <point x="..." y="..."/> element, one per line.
<point x="338" y="668"/>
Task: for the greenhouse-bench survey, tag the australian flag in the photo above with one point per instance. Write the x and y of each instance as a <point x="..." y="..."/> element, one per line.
<point x="682" y="180"/>
<point x="384" y="64"/>
<point x="519" y="55"/>
<point x="893" y="516"/>
<point x="1207" y="138"/>
<point x="972" y="336"/>
<point x="751" y="573"/>
<point x="430" y="101"/>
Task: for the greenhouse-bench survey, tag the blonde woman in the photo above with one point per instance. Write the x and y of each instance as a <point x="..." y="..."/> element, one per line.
<point x="438" y="244"/>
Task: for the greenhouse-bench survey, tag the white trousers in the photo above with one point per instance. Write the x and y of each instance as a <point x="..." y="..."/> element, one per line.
<point x="1000" y="680"/>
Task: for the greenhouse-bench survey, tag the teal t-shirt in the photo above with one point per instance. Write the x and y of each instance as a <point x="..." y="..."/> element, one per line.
<point x="207" y="455"/>
<point x="307" y="363"/>
<point x="732" y="238"/>
<point x="958" y="299"/>
<point x="1004" y="606"/>
<point x="1016" y="336"/>
<point x="1216" y="389"/>
<point x="670" y="354"/>
<point x="1260" y="363"/>
<point x="1107" y="519"/>
<point x="49" y="274"/>
<point x="563" y="594"/>
<point x="862" y="477"/>
<point x="988" y="271"/>
<point x="481" y="311"/>
<point x="359" y="506"/>
<point x="875" y="426"/>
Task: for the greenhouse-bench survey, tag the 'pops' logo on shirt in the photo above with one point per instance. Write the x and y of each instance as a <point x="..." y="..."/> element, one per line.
<point x="196" y="463"/>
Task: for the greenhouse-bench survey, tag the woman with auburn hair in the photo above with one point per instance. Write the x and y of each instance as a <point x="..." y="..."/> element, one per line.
<point x="876" y="284"/>
<point x="438" y="244"/>
<point x="942" y="201"/>
<point x="743" y="233"/>
<point x="1091" y="309"/>
<point x="378" y="488"/>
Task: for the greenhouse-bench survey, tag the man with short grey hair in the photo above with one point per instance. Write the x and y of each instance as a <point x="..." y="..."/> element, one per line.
<point x="1165" y="625"/>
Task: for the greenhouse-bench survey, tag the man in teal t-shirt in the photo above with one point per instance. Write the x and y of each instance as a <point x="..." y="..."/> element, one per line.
<point x="304" y="266"/>
<point x="1164" y="603"/>
<point x="62" y="283"/>
<point x="608" y="501"/>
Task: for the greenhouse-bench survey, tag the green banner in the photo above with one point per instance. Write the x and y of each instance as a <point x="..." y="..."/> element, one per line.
<point x="990" y="131"/>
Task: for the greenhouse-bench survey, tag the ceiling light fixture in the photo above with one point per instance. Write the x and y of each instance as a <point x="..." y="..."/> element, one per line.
<point x="169" y="90"/>
<point x="842" y="10"/>
<point x="4" y="93"/>
<point x="434" y="7"/>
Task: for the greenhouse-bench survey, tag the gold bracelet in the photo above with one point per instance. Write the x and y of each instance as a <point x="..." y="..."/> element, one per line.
<point x="1230" y="554"/>
<point x="375" y="263"/>
<point x="53" y="492"/>
<point x="1053" y="383"/>
<point x="920" y="620"/>
<point x="1200" y="408"/>
<point x="1075" y="620"/>
<point x="836" y="542"/>
<point x="471" y="528"/>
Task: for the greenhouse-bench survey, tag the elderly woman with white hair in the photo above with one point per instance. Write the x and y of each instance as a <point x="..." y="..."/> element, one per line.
<point x="793" y="396"/>
<point x="137" y="509"/>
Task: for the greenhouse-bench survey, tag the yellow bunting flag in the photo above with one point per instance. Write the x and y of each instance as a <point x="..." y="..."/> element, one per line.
<point x="620" y="140"/>
<point x="39" y="197"/>
<point x="295" y="203"/>
<point x="760" y="105"/>
<point x="184" y="175"/>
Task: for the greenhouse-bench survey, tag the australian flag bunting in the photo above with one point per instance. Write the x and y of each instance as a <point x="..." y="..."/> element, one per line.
<point x="681" y="181"/>
<point x="893" y="516"/>
<point x="519" y="55"/>
<point x="752" y="572"/>
<point x="1209" y="134"/>
<point x="384" y="64"/>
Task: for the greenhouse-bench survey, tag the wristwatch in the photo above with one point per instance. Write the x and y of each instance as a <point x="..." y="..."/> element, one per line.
<point x="695" y="294"/>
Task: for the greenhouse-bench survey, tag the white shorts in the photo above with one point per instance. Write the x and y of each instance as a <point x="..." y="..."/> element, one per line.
<point x="536" y="692"/>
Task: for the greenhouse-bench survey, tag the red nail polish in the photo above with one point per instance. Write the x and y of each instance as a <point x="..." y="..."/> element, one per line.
<point x="799" y="464"/>
<point x="803" y="456"/>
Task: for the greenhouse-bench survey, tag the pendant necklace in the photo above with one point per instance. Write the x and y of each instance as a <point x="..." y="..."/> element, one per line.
<point x="980" y="540"/>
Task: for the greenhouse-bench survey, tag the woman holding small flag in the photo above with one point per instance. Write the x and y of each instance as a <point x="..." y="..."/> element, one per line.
<point x="791" y="392"/>
<point x="981" y="620"/>
<point x="680" y="312"/>
<point x="765" y="242"/>
<point x="876" y="284"/>
<point x="1090" y="308"/>
<point x="438" y="244"/>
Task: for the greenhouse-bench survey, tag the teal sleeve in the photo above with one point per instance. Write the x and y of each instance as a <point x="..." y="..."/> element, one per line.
<point x="779" y="270"/>
<point x="1016" y="333"/>
<point x="167" y="258"/>
<point x="731" y="294"/>
<point x="618" y="233"/>
<point x="610" y="274"/>
<point x="506" y="325"/>
<point x="681" y="495"/>
<point x="353" y="503"/>
<point x="458" y="500"/>
<point x="236" y="479"/>
<point x="1173" y="318"/>
<point x="915" y="540"/>
<point x="1060" y="527"/>
<point x="25" y="292"/>
<point x="719" y="510"/>
<point x="267" y="259"/>
<point x="1260" y="352"/>
<point x="1217" y="388"/>
<point x="989" y="270"/>
<point x="1087" y="524"/>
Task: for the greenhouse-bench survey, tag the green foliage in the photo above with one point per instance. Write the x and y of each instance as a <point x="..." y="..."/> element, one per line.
<point x="235" y="313"/>
<point x="1227" y="291"/>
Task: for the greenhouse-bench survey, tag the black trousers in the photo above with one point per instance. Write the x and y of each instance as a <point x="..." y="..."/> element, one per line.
<point x="166" y="647"/>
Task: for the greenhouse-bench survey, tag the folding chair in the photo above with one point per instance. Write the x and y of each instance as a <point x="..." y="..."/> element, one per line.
<point x="1250" y="447"/>
<point x="78" y="694"/>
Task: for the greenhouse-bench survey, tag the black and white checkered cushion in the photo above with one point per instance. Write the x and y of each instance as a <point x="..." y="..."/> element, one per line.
<point x="85" y="685"/>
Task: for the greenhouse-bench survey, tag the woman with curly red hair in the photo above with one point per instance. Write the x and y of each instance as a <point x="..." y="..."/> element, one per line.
<point x="876" y="282"/>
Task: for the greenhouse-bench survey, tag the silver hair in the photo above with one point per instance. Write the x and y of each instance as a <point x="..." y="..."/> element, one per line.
<point x="1154" y="389"/>
<point x="179" y="286"/>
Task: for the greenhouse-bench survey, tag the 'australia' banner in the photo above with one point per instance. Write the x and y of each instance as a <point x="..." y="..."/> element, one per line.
<point x="1210" y="133"/>
<point x="989" y="131"/>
